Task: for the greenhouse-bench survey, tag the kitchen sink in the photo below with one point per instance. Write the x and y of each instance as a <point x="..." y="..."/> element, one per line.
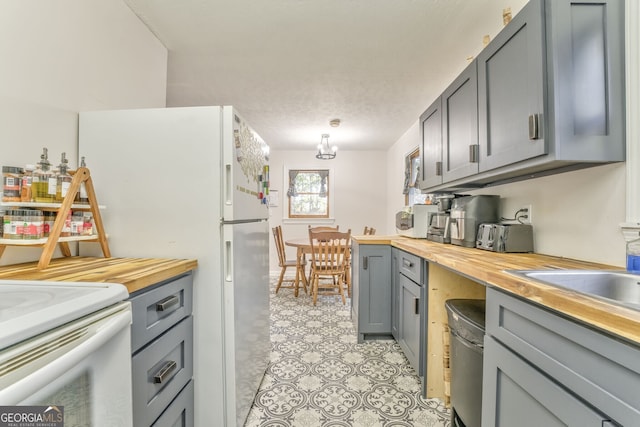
<point x="617" y="287"/>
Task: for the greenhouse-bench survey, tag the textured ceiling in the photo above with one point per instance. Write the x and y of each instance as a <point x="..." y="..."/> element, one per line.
<point x="290" y="66"/>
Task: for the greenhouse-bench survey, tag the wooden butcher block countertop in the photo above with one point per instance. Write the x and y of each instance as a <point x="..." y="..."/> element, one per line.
<point x="488" y="268"/>
<point x="134" y="273"/>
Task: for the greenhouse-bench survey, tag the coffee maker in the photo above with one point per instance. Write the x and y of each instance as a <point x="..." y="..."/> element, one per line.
<point x="439" y="227"/>
<point x="467" y="213"/>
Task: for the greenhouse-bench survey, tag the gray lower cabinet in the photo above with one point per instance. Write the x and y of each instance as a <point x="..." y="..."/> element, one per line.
<point x="371" y="290"/>
<point x="395" y="290"/>
<point x="542" y="369"/>
<point x="411" y="306"/>
<point x="162" y="360"/>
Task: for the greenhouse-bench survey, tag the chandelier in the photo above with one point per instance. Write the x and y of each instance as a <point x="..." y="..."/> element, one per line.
<point x="324" y="152"/>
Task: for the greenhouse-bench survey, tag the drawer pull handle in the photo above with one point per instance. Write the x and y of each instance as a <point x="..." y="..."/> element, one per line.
<point x="406" y="263"/>
<point x="167" y="303"/>
<point x="416" y="305"/>
<point x="164" y="372"/>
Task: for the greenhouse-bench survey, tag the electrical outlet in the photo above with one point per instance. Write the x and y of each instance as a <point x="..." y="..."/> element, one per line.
<point x="526" y="214"/>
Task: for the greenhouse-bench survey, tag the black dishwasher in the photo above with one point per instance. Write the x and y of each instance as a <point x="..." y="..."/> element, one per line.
<point x="466" y="326"/>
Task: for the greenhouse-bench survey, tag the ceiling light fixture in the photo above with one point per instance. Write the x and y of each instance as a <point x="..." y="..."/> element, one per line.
<point x="324" y="152"/>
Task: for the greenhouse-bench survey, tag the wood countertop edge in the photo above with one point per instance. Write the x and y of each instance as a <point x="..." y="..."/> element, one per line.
<point x="489" y="268"/>
<point x="134" y="273"/>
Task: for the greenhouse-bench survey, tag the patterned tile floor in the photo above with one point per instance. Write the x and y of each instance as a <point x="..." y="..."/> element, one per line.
<point x="320" y="376"/>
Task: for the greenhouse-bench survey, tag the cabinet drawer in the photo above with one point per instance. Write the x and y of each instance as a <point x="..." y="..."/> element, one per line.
<point x="410" y="265"/>
<point x="157" y="310"/>
<point x="599" y="368"/>
<point x="180" y="411"/>
<point x="160" y="371"/>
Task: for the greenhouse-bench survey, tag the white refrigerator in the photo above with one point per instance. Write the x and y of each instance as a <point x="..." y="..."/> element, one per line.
<point x="192" y="183"/>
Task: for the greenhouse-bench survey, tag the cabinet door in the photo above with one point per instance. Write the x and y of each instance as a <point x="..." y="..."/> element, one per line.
<point x="410" y="321"/>
<point x="374" y="271"/>
<point x="431" y="147"/>
<point x="395" y="299"/>
<point x="510" y="92"/>
<point x="516" y="394"/>
<point x="460" y="126"/>
<point x="588" y="82"/>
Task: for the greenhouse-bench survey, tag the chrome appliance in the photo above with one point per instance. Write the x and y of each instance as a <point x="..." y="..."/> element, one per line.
<point x="505" y="237"/>
<point x="413" y="221"/>
<point x="467" y="213"/>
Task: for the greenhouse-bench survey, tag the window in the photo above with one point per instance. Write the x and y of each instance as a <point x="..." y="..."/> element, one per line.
<point x="412" y="193"/>
<point x="308" y="193"/>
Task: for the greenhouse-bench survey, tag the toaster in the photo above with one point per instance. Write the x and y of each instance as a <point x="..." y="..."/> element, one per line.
<point x="505" y="237"/>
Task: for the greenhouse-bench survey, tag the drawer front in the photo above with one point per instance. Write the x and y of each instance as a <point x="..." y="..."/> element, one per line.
<point x="157" y="310"/>
<point x="597" y="367"/>
<point x="160" y="371"/>
<point x="410" y="265"/>
<point x="180" y="411"/>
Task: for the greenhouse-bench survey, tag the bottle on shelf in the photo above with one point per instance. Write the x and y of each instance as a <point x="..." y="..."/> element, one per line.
<point x="81" y="195"/>
<point x="44" y="182"/>
<point x="27" y="179"/>
<point x="11" y="177"/>
<point x="63" y="179"/>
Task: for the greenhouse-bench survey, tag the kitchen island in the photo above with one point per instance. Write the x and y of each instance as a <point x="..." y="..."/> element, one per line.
<point x="589" y="334"/>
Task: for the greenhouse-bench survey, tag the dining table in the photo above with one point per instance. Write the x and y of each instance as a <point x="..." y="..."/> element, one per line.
<point x="303" y="247"/>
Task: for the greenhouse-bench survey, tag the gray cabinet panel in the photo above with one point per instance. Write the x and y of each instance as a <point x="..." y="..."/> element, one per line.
<point x="410" y="307"/>
<point x="460" y="126"/>
<point x="160" y="371"/>
<point x="180" y="412"/>
<point x="586" y="72"/>
<point x="596" y="367"/>
<point x="395" y="294"/>
<point x="431" y="146"/>
<point x="516" y="394"/>
<point x="371" y="310"/>
<point x="510" y="90"/>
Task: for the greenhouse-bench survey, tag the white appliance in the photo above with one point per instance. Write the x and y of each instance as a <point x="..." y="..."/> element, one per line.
<point x="187" y="183"/>
<point x="67" y="345"/>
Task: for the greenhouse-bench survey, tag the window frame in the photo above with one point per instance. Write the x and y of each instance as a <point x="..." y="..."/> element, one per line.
<point x="329" y="189"/>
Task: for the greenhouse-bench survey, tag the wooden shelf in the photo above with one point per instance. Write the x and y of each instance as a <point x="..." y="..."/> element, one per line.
<point x="80" y="176"/>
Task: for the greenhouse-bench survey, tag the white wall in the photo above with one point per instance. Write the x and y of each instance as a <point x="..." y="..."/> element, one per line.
<point x="359" y="188"/>
<point x="65" y="56"/>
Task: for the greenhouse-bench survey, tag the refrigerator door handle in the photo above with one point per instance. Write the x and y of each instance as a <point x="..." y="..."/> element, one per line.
<point x="228" y="261"/>
<point x="228" y="196"/>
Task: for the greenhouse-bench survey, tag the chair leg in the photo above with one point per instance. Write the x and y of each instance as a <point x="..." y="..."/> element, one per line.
<point x="280" y="279"/>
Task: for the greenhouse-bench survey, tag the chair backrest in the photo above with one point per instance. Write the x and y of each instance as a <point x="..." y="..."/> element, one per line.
<point x="369" y="231"/>
<point x="324" y="228"/>
<point x="277" y="235"/>
<point x="330" y="250"/>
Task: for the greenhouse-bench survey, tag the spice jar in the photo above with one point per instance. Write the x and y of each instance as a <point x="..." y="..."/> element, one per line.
<point x="33" y="224"/>
<point x="11" y="176"/>
<point x="77" y="222"/>
<point x="47" y="226"/>
<point x="87" y="226"/>
<point x="13" y="224"/>
<point x="25" y="186"/>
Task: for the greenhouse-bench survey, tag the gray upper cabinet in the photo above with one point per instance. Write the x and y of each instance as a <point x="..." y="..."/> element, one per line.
<point x="460" y="126"/>
<point x="550" y="98"/>
<point x="510" y="89"/>
<point x="431" y="146"/>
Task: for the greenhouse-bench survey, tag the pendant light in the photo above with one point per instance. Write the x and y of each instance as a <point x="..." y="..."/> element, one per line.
<point x="324" y="151"/>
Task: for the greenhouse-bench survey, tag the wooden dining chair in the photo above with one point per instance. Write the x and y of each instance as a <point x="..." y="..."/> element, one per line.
<point x="285" y="263"/>
<point x="330" y="252"/>
<point x="324" y="228"/>
<point x="369" y="231"/>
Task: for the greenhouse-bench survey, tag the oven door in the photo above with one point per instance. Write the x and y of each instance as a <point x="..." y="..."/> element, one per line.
<point x="83" y="366"/>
